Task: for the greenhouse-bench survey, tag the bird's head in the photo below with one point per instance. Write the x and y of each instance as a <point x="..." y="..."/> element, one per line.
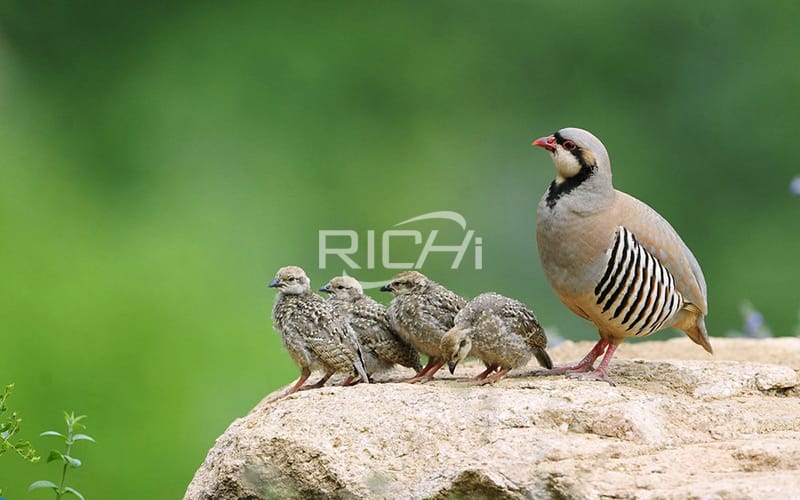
<point x="291" y="280"/>
<point x="343" y="288"/>
<point x="406" y="282"/>
<point x="576" y="153"/>
<point x="455" y="347"/>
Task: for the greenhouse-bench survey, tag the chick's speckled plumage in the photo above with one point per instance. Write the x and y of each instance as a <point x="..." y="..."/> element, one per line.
<point x="609" y="257"/>
<point x="313" y="334"/>
<point x="421" y="312"/>
<point x="381" y="347"/>
<point x="502" y="332"/>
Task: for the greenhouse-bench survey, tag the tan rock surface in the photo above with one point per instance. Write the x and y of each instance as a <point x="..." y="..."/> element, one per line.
<point x="681" y="424"/>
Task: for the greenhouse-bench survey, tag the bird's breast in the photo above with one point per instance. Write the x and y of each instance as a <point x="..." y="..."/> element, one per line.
<point x="573" y="249"/>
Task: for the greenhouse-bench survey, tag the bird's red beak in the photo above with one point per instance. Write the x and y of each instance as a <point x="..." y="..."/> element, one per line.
<point x="548" y="143"/>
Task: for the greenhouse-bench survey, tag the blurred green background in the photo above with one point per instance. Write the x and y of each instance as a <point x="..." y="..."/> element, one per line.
<point x="159" y="162"/>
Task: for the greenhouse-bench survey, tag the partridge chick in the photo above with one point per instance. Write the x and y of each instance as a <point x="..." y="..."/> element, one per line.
<point x="610" y="258"/>
<point x="380" y="345"/>
<point x="421" y="312"/>
<point x="313" y="334"/>
<point x="500" y="331"/>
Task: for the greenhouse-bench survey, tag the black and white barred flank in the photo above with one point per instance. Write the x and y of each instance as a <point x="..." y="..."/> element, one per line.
<point x="636" y="291"/>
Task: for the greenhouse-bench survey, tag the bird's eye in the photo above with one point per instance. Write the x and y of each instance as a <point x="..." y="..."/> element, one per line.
<point x="340" y="287"/>
<point x="569" y="145"/>
<point x="395" y="283"/>
<point x="291" y="278"/>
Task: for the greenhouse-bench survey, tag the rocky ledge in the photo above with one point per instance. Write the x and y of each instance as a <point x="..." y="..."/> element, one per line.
<point x="679" y="424"/>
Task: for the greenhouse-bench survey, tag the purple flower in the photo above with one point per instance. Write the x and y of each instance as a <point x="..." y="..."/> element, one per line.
<point x="754" y="326"/>
<point x="794" y="186"/>
<point x="753" y="322"/>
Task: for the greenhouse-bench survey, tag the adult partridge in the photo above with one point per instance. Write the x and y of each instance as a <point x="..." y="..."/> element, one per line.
<point x="421" y="312"/>
<point x="610" y="258"/>
<point x="381" y="347"/>
<point x="500" y="331"/>
<point x="313" y="334"/>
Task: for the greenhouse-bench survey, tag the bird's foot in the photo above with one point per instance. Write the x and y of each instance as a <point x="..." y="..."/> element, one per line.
<point x="501" y="372"/>
<point x="482" y="381"/>
<point x="595" y="375"/>
<point x="485" y="373"/>
<point x="561" y="370"/>
<point x="419" y="379"/>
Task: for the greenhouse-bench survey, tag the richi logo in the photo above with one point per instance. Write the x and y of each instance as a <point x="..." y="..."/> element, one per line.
<point x="375" y="248"/>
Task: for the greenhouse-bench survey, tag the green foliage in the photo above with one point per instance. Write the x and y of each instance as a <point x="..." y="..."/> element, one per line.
<point x="65" y="458"/>
<point x="9" y="426"/>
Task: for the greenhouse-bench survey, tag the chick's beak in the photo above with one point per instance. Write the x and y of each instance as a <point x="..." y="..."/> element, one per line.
<point x="547" y="143"/>
<point x="386" y="288"/>
<point x="452" y="366"/>
<point x="275" y="283"/>
<point x="325" y="288"/>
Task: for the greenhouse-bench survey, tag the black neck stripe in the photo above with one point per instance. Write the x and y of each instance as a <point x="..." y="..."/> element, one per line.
<point x="556" y="191"/>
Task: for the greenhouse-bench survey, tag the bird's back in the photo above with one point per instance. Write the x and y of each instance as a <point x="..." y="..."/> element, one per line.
<point x="503" y="330"/>
<point x="422" y="318"/>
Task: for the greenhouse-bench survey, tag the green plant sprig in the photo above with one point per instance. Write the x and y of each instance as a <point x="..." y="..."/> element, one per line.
<point x="8" y="427"/>
<point x="68" y="461"/>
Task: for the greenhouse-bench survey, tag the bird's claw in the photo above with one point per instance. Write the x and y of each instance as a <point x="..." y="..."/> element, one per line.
<point x="562" y="370"/>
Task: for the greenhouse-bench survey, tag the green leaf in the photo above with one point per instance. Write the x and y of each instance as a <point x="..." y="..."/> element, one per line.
<point x="36" y="485"/>
<point x="52" y="433"/>
<point x="55" y="455"/>
<point x="72" y="461"/>
<point x="25" y="450"/>
<point x="82" y="437"/>
<point x="70" y="489"/>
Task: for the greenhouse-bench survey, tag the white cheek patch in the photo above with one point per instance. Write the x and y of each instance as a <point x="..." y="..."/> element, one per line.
<point x="566" y="164"/>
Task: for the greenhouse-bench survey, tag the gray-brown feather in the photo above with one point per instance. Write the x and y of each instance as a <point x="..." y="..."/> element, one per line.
<point x="314" y="335"/>
<point x="503" y="331"/>
<point x="423" y="315"/>
<point x="381" y="346"/>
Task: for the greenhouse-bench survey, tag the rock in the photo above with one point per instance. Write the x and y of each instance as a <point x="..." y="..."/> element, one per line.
<point x="679" y="424"/>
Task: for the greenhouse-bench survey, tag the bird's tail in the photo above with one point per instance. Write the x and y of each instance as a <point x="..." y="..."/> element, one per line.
<point x="698" y="333"/>
<point x="543" y="358"/>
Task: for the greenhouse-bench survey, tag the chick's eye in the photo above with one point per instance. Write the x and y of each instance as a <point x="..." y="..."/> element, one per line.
<point x="569" y="145"/>
<point x="340" y="287"/>
<point x="395" y="283"/>
<point x="291" y="278"/>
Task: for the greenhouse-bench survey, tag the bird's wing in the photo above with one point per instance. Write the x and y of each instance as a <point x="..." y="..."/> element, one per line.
<point x="441" y="307"/>
<point x="662" y="241"/>
<point x="522" y="321"/>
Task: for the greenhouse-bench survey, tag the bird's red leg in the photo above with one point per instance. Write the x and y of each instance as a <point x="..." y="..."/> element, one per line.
<point x="304" y="374"/>
<point x="349" y="380"/>
<point x="321" y="381"/>
<point x="425" y="369"/>
<point x="599" y="373"/>
<point x="428" y="371"/>
<point x="494" y="378"/>
<point x="584" y="365"/>
<point x="485" y="373"/>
